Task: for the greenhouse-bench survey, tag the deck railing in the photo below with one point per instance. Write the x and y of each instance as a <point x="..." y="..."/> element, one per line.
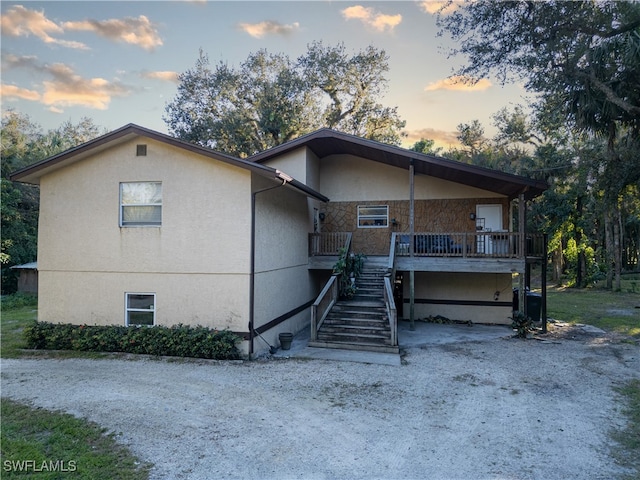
<point x="328" y="243"/>
<point x="492" y="244"/>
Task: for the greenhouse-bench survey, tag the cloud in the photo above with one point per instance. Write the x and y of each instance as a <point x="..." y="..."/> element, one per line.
<point x="136" y="31"/>
<point x="440" y="137"/>
<point x="65" y="87"/>
<point x="372" y="18"/>
<point x="259" y="30"/>
<point x="19" y="21"/>
<point x="69" y="89"/>
<point x="12" y="92"/>
<point x="459" y="83"/>
<point x="435" y="6"/>
<point x="164" y="75"/>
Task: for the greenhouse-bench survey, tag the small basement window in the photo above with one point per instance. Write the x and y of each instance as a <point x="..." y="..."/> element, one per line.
<point x="373" y="216"/>
<point x="140" y="204"/>
<point x="140" y="309"/>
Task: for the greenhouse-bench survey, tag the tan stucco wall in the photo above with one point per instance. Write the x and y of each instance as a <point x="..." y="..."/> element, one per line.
<point x="98" y="298"/>
<point x="301" y="164"/>
<point x="196" y="262"/>
<point x="347" y="178"/>
<point x="461" y="286"/>
<point x="283" y="281"/>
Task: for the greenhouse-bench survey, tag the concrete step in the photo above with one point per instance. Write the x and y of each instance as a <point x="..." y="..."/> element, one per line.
<point x="357" y="347"/>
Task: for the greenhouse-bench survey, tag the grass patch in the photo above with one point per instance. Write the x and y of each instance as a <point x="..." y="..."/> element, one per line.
<point x="43" y="445"/>
<point x="628" y="439"/>
<point x="611" y="311"/>
<point x="17" y="312"/>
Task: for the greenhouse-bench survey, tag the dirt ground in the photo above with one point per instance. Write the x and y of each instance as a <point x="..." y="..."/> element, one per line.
<point x="497" y="409"/>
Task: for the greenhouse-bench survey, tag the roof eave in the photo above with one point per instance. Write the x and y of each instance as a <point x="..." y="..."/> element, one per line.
<point x="32" y="173"/>
<point x="511" y="185"/>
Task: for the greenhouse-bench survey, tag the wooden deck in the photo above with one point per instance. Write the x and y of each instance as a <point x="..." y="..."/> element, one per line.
<point x="484" y="252"/>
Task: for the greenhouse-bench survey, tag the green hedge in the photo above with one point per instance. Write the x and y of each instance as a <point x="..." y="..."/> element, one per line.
<point x="178" y="340"/>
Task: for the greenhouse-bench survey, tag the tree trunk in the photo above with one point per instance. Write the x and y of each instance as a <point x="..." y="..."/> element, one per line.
<point x="617" y="247"/>
<point x="557" y="264"/>
<point x="608" y="245"/>
<point x="580" y="267"/>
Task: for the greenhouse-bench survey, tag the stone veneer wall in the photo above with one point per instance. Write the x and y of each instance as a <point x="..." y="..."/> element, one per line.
<point x="447" y="215"/>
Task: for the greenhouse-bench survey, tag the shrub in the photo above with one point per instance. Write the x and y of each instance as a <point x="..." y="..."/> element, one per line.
<point x="178" y="340"/>
<point x="19" y="300"/>
<point x="349" y="265"/>
<point x="521" y="324"/>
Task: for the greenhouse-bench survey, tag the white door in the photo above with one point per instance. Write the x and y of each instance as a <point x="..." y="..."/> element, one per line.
<point x="492" y="215"/>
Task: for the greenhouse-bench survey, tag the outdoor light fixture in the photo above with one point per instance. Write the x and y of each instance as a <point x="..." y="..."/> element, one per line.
<point x="321" y="216"/>
<point x="472" y="216"/>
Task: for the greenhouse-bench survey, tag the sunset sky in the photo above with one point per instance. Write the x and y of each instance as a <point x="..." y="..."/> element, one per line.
<point x="117" y="62"/>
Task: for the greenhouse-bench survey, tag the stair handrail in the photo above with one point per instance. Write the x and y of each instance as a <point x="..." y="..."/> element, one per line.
<point x="390" y="304"/>
<point x="392" y="312"/>
<point x="391" y="266"/>
<point x="323" y="304"/>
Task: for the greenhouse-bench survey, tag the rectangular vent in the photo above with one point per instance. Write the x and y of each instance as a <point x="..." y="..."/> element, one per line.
<point x="141" y="150"/>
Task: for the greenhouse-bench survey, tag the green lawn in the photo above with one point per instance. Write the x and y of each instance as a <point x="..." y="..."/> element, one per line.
<point x="43" y="445"/>
<point x="627" y="451"/>
<point x="612" y="311"/>
<point x="13" y="322"/>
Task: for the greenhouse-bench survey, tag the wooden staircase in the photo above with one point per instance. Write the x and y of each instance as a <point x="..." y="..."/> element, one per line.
<point x="360" y="323"/>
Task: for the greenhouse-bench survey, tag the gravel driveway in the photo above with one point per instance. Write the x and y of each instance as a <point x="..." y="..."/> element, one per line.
<point x="499" y="409"/>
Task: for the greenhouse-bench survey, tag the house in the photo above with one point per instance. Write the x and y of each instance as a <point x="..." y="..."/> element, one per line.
<point x="140" y="228"/>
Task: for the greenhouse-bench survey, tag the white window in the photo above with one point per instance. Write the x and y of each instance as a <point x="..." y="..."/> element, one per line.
<point x="140" y="204"/>
<point x="140" y="309"/>
<point x="373" y="216"/>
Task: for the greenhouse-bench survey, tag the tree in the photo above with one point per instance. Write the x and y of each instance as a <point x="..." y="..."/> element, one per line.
<point x="270" y="99"/>
<point x="591" y="48"/>
<point x="582" y="59"/>
<point x="426" y="146"/>
<point x="471" y="136"/>
<point x="23" y="143"/>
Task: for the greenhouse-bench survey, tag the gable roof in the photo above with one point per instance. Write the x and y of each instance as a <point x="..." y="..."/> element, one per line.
<point x="33" y="173"/>
<point x="325" y="142"/>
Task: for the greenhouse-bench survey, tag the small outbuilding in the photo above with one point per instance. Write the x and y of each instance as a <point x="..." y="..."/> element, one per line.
<point x="28" y="277"/>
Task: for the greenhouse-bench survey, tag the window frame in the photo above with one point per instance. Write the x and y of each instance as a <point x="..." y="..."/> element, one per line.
<point x="384" y="218"/>
<point x="124" y="224"/>
<point x="128" y="309"/>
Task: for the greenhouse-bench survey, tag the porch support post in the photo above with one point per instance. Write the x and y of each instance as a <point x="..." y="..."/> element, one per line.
<point x="522" y="246"/>
<point x="412" y="279"/>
